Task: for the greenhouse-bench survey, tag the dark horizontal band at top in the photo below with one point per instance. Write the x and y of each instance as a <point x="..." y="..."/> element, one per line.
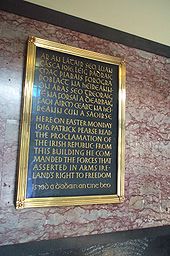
<point x="50" y="16"/>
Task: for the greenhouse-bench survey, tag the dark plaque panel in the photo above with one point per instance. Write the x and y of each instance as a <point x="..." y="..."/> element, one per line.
<point x="74" y="124"/>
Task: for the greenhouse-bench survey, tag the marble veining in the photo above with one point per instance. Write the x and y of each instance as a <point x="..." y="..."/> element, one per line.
<point x="147" y="176"/>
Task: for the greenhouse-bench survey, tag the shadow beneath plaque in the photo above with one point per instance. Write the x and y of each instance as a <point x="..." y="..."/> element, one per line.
<point x="145" y="242"/>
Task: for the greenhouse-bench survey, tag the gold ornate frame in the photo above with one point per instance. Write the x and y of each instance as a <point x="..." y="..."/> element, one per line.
<point x="22" y="201"/>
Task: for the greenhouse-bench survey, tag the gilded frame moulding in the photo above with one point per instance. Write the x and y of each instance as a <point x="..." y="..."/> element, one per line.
<point x="22" y="200"/>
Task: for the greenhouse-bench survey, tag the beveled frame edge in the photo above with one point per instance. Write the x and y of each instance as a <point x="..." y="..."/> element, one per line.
<point x="22" y="201"/>
<point x="76" y="51"/>
<point x="70" y="201"/>
<point x="121" y="133"/>
<point x="25" y="124"/>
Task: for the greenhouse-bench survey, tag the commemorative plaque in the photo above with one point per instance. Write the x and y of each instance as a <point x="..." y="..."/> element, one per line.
<point x="72" y="128"/>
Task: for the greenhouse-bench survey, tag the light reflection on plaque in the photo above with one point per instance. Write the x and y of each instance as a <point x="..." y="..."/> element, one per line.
<point x="72" y="137"/>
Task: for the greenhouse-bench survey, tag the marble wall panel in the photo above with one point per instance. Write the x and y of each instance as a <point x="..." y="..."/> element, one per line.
<point x="147" y="176"/>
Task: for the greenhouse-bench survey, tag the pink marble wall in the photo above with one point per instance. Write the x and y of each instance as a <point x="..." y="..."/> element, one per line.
<point x="147" y="178"/>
